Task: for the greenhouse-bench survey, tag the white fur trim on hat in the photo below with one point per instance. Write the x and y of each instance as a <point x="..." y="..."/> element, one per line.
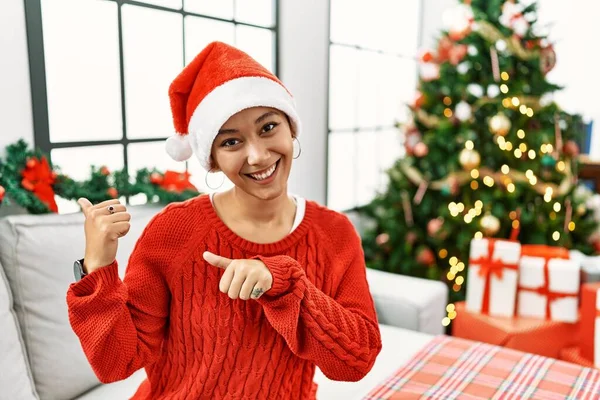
<point x="230" y="98"/>
<point x="178" y="147"/>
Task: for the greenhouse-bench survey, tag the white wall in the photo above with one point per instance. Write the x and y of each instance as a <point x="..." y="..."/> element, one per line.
<point x="574" y="31"/>
<point x="15" y="94"/>
<point x="303" y="52"/>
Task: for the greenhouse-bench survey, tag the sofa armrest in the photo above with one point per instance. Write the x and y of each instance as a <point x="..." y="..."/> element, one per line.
<point x="408" y="302"/>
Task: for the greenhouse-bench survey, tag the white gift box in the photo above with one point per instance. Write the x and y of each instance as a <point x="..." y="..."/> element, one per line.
<point x="492" y="276"/>
<point x="590" y="266"/>
<point x="555" y="299"/>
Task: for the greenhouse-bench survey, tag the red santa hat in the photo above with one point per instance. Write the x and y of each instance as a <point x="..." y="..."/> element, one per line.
<point x="221" y="81"/>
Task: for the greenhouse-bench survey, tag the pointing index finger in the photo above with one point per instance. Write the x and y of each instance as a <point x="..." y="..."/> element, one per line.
<point x="216" y="260"/>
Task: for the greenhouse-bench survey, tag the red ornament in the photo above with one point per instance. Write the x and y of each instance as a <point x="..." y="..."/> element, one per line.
<point x="104" y="171"/>
<point x="418" y="100"/>
<point x="571" y="148"/>
<point x="426" y="56"/>
<point x="547" y="59"/>
<point x="594" y="240"/>
<point x="112" y="192"/>
<point x="156" y="178"/>
<point x="2" y="192"/>
<point x="434" y="228"/>
<point x="411" y="237"/>
<point x="450" y="51"/>
<point x="426" y="257"/>
<point x="31" y="162"/>
<point x="421" y="150"/>
<point x="382" y="239"/>
<point x="454" y="185"/>
<point x="596" y="245"/>
<point x="39" y="178"/>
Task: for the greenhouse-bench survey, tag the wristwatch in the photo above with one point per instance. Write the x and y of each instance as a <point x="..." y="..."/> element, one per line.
<point x="78" y="270"/>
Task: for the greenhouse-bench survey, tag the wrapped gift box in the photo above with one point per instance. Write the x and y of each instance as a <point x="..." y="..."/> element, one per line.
<point x="492" y="276"/>
<point x="548" y="284"/>
<point x="590" y="322"/>
<point x="590" y="266"/>
<point x="532" y="335"/>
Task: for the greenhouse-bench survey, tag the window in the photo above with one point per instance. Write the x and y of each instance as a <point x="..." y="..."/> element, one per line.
<point x="100" y="72"/>
<point x="372" y="76"/>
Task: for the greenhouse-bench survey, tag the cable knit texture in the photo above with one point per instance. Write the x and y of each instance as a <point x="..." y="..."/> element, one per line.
<point x="169" y="317"/>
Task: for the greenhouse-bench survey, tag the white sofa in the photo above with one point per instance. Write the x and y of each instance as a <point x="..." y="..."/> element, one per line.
<point x="41" y="358"/>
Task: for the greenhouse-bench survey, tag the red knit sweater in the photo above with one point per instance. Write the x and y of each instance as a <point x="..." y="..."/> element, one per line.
<point x="169" y="317"/>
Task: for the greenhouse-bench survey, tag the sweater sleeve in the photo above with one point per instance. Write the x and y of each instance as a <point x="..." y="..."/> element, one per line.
<point x="340" y="334"/>
<point x="121" y="324"/>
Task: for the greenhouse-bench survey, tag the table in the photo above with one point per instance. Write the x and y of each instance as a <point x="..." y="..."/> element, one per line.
<point x="454" y="368"/>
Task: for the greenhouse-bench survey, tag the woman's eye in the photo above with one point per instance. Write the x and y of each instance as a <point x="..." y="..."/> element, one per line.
<point x="269" y="127"/>
<point x="229" y="143"/>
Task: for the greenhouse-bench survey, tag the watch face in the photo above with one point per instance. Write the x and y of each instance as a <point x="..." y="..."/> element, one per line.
<point x="78" y="270"/>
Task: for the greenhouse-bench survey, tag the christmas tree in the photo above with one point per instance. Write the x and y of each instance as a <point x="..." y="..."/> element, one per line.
<point x="488" y="151"/>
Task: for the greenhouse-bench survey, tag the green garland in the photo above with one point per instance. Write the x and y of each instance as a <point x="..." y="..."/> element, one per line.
<point x="100" y="186"/>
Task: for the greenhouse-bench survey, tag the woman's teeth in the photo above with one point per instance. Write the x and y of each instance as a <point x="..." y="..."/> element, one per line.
<point x="264" y="175"/>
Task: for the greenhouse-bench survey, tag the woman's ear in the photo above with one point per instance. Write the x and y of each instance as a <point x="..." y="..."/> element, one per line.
<point x="213" y="165"/>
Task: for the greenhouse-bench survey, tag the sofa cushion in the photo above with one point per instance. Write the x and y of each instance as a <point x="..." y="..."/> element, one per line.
<point x="37" y="252"/>
<point x="408" y="302"/>
<point x="15" y="377"/>
<point x="124" y="389"/>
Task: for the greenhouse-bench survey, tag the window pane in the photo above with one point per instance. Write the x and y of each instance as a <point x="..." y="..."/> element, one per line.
<point x="390" y="148"/>
<point x="92" y="29"/>
<point x="397" y="83"/>
<point x="390" y="25"/>
<point x="368" y="75"/>
<point x="344" y="20"/>
<point x="258" y="43"/>
<point x="201" y="31"/>
<point x="175" y="4"/>
<point x="343" y="74"/>
<point x="153" y="58"/>
<point x="150" y="155"/>
<point x="257" y="12"/>
<point x="199" y="178"/>
<point x="75" y="162"/>
<point x="220" y="8"/>
<point x="367" y="179"/>
<point x="403" y="20"/>
<point x="341" y="171"/>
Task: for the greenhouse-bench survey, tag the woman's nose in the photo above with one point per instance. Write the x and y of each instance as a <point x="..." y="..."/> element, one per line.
<point x="257" y="153"/>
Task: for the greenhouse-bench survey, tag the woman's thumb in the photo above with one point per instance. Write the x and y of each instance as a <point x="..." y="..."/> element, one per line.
<point x="84" y="204"/>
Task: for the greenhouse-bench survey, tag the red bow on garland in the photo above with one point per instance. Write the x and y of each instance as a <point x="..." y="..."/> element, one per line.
<point x="173" y="181"/>
<point x="39" y="178"/>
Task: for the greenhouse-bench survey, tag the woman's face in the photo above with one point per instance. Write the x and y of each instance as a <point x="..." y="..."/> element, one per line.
<point x="254" y="149"/>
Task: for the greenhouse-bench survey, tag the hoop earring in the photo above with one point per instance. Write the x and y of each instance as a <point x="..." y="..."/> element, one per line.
<point x="206" y="181"/>
<point x="299" y="147"/>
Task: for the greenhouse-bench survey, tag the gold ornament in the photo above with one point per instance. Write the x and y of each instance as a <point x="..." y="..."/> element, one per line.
<point x="469" y="159"/>
<point x="490" y="225"/>
<point x="500" y="124"/>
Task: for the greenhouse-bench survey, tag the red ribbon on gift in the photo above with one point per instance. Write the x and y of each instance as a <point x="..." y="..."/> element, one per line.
<point x="489" y="266"/>
<point x="544" y="290"/>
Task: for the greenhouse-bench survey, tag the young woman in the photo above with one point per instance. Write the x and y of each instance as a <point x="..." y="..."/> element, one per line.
<point x="237" y="295"/>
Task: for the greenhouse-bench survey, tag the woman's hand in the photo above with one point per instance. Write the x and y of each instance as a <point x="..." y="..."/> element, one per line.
<point x="242" y="278"/>
<point x="105" y="223"/>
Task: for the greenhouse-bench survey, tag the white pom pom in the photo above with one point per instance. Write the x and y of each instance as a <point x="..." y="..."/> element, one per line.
<point x="178" y="147"/>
